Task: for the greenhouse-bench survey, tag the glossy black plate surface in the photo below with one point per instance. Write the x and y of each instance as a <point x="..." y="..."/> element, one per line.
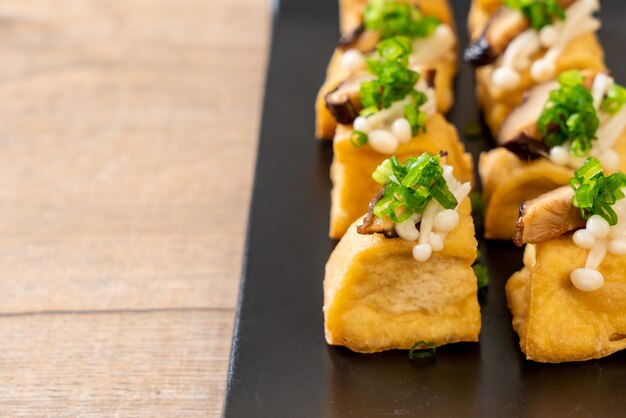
<point x="281" y="366"/>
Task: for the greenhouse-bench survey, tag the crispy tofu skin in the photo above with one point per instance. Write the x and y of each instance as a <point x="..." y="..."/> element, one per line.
<point x="351" y="11"/>
<point x="325" y="123"/>
<point x="351" y="16"/>
<point x="508" y="182"/>
<point x="557" y="322"/>
<point x="377" y="297"/>
<point x="352" y="168"/>
<point x="584" y="52"/>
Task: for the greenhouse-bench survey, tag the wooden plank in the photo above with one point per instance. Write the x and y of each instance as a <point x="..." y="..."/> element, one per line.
<point x="127" y="139"/>
<point x="145" y="364"/>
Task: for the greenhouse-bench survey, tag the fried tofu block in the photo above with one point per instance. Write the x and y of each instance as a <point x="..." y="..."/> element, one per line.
<point x="508" y="182"/>
<point x="351" y="17"/>
<point x="479" y="14"/>
<point x="352" y="168"/>
<point x="557" y="322"/>
<point x="351" y="11"/>
<point x="584" y="52"/>
<point x="377" y="297"/>
<point x="325" y="123"/>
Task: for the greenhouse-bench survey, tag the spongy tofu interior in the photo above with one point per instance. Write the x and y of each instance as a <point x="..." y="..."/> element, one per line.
<point x="557" y="322"/>
<point x="377" y="297"/>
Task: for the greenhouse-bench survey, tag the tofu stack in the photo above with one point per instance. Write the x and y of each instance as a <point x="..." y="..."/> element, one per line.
<point x="554" y="182"/>
<point x="401" y="277"/>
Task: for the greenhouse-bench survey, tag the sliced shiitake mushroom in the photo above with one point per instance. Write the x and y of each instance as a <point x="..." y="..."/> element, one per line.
<point x="360" y="39"/>
<point x="342" y="102"/>
<point x="547" y="216"/>
<point x="519" y="133"/>
<point x="429" y="75"/>
<point x="523" y="119"/>
<point x="527" y="147"/>
<point x="503" y="26"/>
<point x="500" y="30"/>
<point x="373" y="224"/>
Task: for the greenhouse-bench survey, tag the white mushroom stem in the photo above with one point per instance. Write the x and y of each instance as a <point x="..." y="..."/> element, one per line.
<point x="517" y="57"/>
<point x="610" y="131"/>
<point x="391" y="113"/>
<point x="519" y="51"/>
<point x="578" y="21"/>
<point x="461" y="193"/>
<point x="602" y="83"/>
<point x="426" y="227"/>
<point x="430" y="50"/>
<point x="597" y="253"/>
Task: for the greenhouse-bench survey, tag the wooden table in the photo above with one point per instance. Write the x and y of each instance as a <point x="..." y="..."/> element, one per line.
<point x="127" y="140"/>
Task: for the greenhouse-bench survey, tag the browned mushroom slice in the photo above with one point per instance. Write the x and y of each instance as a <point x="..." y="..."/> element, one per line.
<point x="377" y="226"/>
<point x="373" y="224"/>
<point x="526" y="147"/>
<point x="547" y="216"/>
<point x="347" y="40"/>
<point x="523" y="119"/>
<point x="429" y="75"/>
<point x="360" y="39"/>
<point x="343" y="102"/>
<point x="501" y="29"/>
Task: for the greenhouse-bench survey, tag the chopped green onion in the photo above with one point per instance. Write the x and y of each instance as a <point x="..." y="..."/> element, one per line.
<point x="614" y="100"/>
<point x="383" y="173"/>
<point x="358" y="138"/>
<point x="540" y="13"/>
<point x="422" y="349"/>
<point x="482" y="275"/>
<point x="473" y="130"/>
<point x="410" y="186"/>
<point x="412" y="112"/>
<point x="477" y="202"/>
<point x="390" y="18"/>
<point x="569" y="115"/>
<point x="595" y="193"/>
<point x="442" y="194"/>
<point x="394" y="80"/>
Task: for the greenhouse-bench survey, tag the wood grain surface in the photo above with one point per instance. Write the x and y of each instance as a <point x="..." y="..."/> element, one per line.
<point x="127" y="141"/>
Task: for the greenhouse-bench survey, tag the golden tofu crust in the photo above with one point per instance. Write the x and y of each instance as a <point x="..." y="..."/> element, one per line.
<point x="377" y="297"/>
<point x="352" y="168"/>
<point x="351" y="16"/>
<point x="508" y="182"/>
<point x="557" y="322"/>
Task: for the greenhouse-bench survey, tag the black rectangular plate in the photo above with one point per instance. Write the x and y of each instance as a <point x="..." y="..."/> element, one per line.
<point x="281" y="365"/>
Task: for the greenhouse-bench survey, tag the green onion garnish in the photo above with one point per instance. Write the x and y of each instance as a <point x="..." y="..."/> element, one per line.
<point x="391" y="18"/>
<point x="614" y="100"/>
<point x="410" y="186"/>
<point x="358" y="138"/>
<point x="482" y="274"/>
<point x="569" y="115"/>
<point x="540" y="13"/>
<point x="394" y="81"/>
<point x="595" y="193"/>
<point x="478" y="206"/>
<point x="422" y="349"/>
